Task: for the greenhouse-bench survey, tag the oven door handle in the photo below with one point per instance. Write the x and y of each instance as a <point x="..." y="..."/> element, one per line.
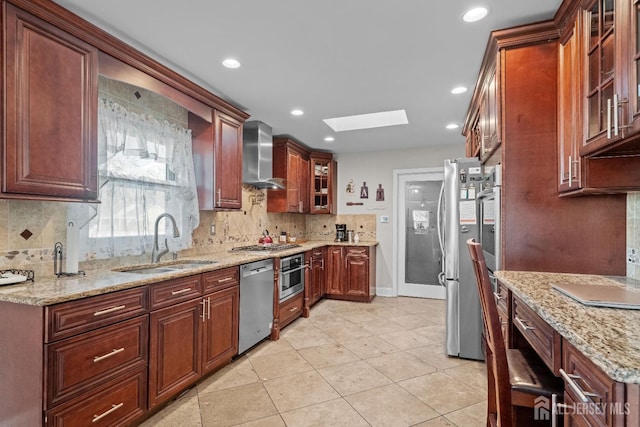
<point x="294" y="270"/>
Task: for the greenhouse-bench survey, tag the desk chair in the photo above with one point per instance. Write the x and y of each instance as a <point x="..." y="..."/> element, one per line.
<point x="516" y="378"/>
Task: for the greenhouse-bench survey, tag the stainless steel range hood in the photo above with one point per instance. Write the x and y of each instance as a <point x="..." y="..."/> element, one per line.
<point x="257" y="156"/>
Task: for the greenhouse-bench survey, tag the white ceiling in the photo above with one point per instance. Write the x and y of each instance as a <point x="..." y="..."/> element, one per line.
<point x="329" y="58"/>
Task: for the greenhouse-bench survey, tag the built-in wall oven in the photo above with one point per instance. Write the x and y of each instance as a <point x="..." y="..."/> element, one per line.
<point x="489" y="209"/>
<point x="291" y="276"/>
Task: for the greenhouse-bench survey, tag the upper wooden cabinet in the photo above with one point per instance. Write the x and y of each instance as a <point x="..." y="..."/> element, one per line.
<point x="584" y="168"/>
<point x="51" y="88"/>
<point x="482" y="127"/>
<point x="291" y="163"/>
<point x="323" y="177"/>
<point x="217" y="156"/>
<point x="610" y="59"/>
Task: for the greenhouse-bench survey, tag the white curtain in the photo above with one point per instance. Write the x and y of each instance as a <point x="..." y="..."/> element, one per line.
<point x="145" y="168"/>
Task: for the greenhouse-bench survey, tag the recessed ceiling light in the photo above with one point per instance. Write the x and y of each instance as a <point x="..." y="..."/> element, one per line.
<point x="297" y="112"/>
<point x="475" y="14"/>
<point x="367" y="121"/>
<point x="231" y="63"/>
<point x="458" y="90"/>
<point x="329" y="139"/>
<point x="452" y="126"/>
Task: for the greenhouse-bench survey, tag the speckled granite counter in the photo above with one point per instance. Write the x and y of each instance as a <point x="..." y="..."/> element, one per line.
<point x="609" y="337"/>
<point x="48" y="291"/>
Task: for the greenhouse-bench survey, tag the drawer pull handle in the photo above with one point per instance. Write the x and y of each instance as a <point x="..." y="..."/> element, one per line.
<point x="569" y="379"/>
<point x="108" y="355"/>
<point x="107" y="412"/>
<point x="181" y="291"/>
<point x="226" y="279"/>
<point x="523" y="325"/>
<point x="292" y="309"/>
<point x="109" y="310"/>
<point x="497" y="296"/>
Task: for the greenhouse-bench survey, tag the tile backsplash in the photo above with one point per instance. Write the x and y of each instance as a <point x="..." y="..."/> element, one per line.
<point x="46" y="221"/>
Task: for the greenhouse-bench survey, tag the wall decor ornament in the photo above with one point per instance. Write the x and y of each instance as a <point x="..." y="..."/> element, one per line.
<point x="364" y="191"/>
<point x="351" y="187"/>
<point x="380" y="193"/>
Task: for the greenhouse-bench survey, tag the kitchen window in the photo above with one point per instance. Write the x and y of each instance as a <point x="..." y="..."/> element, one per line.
<point x="145" y="168"/>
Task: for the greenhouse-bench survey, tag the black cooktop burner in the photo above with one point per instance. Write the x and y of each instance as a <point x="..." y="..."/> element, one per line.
<point x="265" y="248"/>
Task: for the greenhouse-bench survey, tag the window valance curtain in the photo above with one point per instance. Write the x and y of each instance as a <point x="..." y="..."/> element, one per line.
<point x="145" y="168"/>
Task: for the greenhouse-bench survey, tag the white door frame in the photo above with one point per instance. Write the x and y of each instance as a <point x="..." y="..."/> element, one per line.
<point x="398" y="202"/>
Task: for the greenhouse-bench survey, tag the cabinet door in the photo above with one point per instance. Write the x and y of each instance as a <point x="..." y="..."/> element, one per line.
<point x="603" y="92"/>
<point x="228" y="162"/>
<point x="335" y="269"/>
<point x="221" y="328"/>
<point x="174" y="349"/>
<point x="318" y="286"/>
<point x="294" y="163"/>
<point x="357" y="272"/>
<point x="569" y="135"/>
<point x="303" y="177"/>
<point x="51" y="88"/>
<point x="321" y="184"/>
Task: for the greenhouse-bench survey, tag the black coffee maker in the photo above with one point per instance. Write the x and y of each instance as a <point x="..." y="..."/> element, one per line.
<point x="341" y="232"/>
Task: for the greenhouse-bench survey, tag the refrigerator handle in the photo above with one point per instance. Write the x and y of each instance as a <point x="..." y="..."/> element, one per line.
<point x="440" y="231"/>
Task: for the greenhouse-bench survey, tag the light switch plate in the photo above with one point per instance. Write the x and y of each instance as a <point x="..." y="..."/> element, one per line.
<point x="212" y="229"/>
<point x="384" y="219"/>
<point x="633" y="256"/>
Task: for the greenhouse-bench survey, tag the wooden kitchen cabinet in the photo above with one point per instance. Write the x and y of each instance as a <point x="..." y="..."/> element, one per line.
<point x="351" y="273"/>
<point x="318" y="274"/>
<point x="51" y="89"/>
<point x="290" y="163"/>
<point x="217" y="153"/>
<point x="92" y="347"/>
<point x="191" y="338"/>
<point x="581" y="173"/>
<point x="605" y="398"/>
<point x="322" y="179"/>
<point x="528" y="154"/>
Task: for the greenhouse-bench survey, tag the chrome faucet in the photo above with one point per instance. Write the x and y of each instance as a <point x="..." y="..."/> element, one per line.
<point x="156" y="254"/>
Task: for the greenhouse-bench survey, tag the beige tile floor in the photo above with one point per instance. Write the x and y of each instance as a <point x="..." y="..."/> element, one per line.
<point x="348" y="364"/>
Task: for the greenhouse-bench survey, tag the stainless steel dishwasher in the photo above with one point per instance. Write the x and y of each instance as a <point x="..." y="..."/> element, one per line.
<point x="256" y="303"/>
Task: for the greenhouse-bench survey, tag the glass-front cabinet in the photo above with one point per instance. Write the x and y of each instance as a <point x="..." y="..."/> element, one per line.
<point x="611" y="60"/>
<point x="322" y="181"/>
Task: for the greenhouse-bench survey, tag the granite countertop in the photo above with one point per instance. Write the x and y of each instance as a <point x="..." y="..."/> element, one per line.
<point x="52" y="290"/>
<point x="609" y="337"/>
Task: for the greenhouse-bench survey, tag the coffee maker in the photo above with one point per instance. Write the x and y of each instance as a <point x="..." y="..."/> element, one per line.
<point x="341" y="233"/>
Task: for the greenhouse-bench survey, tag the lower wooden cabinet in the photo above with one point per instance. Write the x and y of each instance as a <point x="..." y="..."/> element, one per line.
<point x="117" y="402"/>
<point x="351" y="273"/>
<point x="317" y="285"/>
<point x="291" y="309"/>
<point x="192" y="338"/>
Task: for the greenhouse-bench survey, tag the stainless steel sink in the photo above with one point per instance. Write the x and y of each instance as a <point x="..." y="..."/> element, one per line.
<point x="150" y="270"/>
<point x="166" y="268"/>
<point x="189" y="264"/>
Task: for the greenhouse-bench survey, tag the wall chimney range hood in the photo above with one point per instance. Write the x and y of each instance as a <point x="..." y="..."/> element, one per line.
<point x="257" y="156"/>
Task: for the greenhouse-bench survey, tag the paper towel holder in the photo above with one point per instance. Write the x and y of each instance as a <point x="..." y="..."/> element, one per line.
<point x="58" y="250"/>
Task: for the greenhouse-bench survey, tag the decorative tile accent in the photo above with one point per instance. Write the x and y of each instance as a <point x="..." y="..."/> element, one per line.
<point x="26" y="234"/>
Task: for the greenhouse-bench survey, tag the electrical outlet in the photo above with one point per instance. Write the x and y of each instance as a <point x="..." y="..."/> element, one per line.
<point x="384" y="219"/>
<point x="212" y="229"/>
<point x="633" y="256"/>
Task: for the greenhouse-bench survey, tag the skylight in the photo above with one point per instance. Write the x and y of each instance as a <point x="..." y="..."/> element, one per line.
<point x="367" y="121"/>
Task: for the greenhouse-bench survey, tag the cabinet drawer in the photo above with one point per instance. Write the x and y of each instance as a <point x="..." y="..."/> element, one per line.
<point x="503" y="317"/>
<point x="174" y="291"/>
<point x="358" y="251"/>
<point x="220" y="279"/>
<point x="291" y="309"/>
<point x="117" y="402"/>
<point x="77" y="364"/>
<point x="600" y="391"/>
<point x="74" y="317"/>
<point x="502" y="297"/>
<point x="538" y="333"/>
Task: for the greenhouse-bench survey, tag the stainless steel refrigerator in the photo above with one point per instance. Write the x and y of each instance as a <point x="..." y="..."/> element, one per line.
<point x="458" y="222"/>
